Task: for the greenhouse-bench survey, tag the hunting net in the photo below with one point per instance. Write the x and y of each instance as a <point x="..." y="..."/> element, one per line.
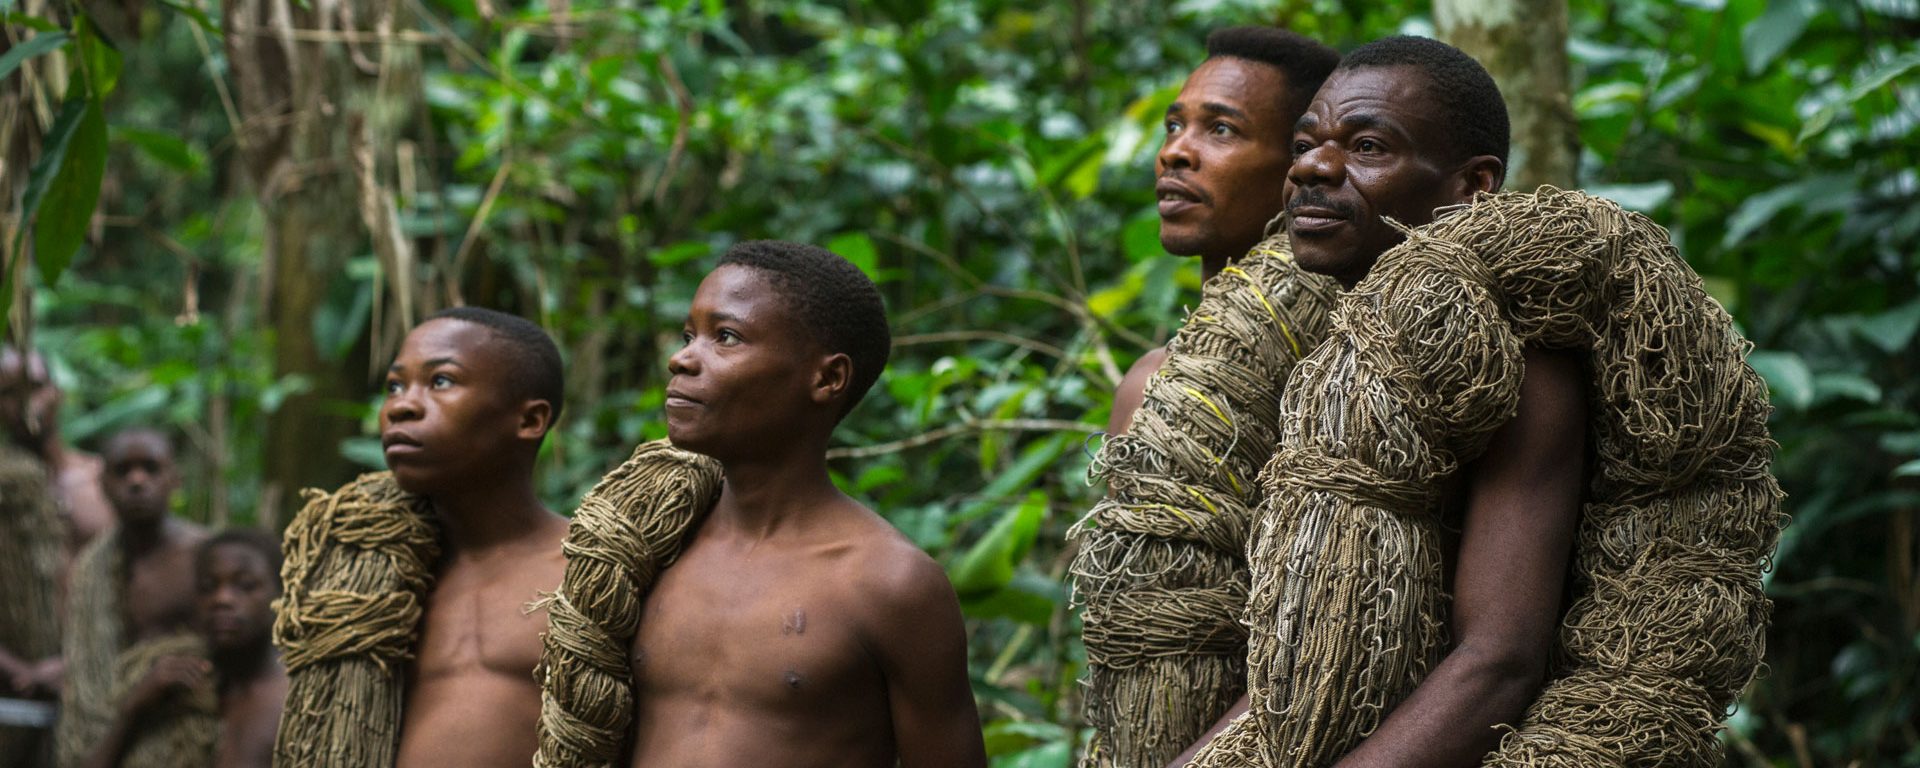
<point x="180" y="731"/>
<point x="1423" y="362"/>
<point x="359" y="562"/>
<point x="628" y="529"/>
<point x="29" y="575"/>
<point x="95" y="636"/>
<point x="1161" y="570"/>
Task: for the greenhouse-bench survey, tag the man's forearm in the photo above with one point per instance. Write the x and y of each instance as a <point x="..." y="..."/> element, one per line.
<point x="1239" y="708"/>
<point x="1450" y="719"/>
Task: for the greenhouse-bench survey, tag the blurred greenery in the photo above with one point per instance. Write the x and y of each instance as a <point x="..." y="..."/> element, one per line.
<point x="989" y="163"/>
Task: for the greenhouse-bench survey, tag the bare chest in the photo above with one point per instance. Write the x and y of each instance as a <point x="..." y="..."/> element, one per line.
<point x="159" y="595"/>
<point x="472" y="625"/>
<point x="771" y="636"/>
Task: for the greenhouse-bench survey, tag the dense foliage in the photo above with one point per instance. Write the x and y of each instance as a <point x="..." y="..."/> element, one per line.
<point x="990" y="163"/>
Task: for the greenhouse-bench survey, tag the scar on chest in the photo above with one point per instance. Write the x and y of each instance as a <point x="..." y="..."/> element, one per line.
<point x="793" y="680"/>
<point x="794" y="623"/>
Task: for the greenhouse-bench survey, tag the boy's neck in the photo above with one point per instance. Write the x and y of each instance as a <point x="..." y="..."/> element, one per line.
<point x="140" y="537"/>
<point x="245" y="665"/>
<point x="487" y="515"/>
<point x="761" y="496"/>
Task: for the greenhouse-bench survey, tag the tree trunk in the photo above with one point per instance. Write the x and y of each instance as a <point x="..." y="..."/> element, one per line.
<point x="1523" y="43"/>
<point x="305" y="73"/>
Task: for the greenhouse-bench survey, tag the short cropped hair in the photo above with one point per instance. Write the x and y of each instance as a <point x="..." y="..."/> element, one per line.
<point x="159" y="435"/>
<point x="1305" y="61"/>
<point x="536" y="371"/>
<point x="249" y="538"/>
<point x="834" y="300"/>
<point x="1473" y="110"/>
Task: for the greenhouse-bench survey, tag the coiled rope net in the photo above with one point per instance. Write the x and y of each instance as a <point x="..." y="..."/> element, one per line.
<point x="359" y="563"/>
<point x="629" y="527"/>
<point x="1423" y="362"/>
<point x="180" y="731"/>
<point x="29" y="575"/>
<point x="1161" y="570"/>
<point x="95" y="636"/>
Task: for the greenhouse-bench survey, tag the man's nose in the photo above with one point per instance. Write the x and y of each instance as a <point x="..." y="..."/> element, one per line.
<point x="401" y="406"/>
<point x="685" y="361"/>
<point x="1321" y="164"/>
<point x="1176" y="153"/>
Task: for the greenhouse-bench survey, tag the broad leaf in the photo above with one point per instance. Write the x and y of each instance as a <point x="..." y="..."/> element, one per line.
<point x="68" y="208"/>
<point x="41" y="43"/>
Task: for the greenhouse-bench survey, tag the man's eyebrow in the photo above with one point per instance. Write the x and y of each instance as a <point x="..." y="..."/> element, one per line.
<point x="1219" y="108"/>
<point x="1361" y="121"/>
<point x="723" y="317"/>
<point x="432" y="363"/>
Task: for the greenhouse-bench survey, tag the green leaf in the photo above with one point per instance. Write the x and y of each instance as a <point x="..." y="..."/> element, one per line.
<point x="1892" y="330"/>
<point x="101" y="57"/>
<point x="53" y="154"/>
<point x="1644" y="198"/>
<point x="1909" y="469"/>
<point x="858" y="248"/>
<point x="1787" y="377"/>
<point x="197" y="16"/>
<point x="41" y="43"/>
<point x="1873" y="82"/>
<point x="164" y="148"/>
<point x="1766" y="37"/>
<point x="1140" y="241"/>
<point x="988" y="565"/>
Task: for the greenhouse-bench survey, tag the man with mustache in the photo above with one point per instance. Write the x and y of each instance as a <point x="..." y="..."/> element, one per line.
<point x="1221" y="174"/>
<point x="1222" y="167"/>
<point x="1407" y="126"/>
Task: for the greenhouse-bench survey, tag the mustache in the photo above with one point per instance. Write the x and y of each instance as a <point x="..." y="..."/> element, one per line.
<point x="1316" y="198"/>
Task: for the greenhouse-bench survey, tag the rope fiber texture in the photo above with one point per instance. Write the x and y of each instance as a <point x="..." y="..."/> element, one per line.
<point x="95" y="637"/>
<point x="1668" y="617"/>
<point x="29" y="574"/>
<point x="359" y="563"/>
<point x="1161" y="569"/>
<point x="181" y="730"/>
<point x="629" y="528"/>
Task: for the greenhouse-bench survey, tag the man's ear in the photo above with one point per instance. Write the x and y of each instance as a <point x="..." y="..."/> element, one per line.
<point x="1482" y="173"/>
<point x="536" y="417"/>
<point x="832" y="378"/>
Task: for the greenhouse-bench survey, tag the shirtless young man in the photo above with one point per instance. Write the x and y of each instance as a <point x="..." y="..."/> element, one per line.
<point x="237" y="575"/>
<point x="143" y="572"/>
<point x="798" y="628"/>
<point x="1222" y="167"/>
<point x="1406" y="126"/>
<point x="470" y="397"/>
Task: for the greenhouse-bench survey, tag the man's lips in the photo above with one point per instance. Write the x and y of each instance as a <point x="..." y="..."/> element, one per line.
<point x="399" y="443"/>
<point x="678" y="399"/>
<point x="1175" y="196"/>
<point x="1313" y="219"/>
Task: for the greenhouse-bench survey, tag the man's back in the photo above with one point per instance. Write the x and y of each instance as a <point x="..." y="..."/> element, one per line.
<point x="475" y="658"/>
<point x="775" y="651"/>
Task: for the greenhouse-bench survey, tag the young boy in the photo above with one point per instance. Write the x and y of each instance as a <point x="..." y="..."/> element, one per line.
<point x="236" y="576"/>
<point x="797" y="628"/>
<point x="470" y="397"/>
<point x="132" y="585"/>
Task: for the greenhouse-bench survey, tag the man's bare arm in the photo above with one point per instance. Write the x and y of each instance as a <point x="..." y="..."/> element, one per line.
<point x="922" y="645"/>
<point x="1523" y="505"/>
<point x="1133" y="390"/>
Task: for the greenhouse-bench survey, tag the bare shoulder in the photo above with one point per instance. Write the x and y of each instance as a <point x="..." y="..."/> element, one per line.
<point x="1132" y="391"/>
<point x="891" y="574"/>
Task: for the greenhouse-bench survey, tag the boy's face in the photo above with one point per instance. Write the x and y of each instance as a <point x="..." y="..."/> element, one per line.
<point x="139" y="477"/>
<point x="236" y="588"/>
<point x="746" y="378"/>
<point x="449" y="408"/>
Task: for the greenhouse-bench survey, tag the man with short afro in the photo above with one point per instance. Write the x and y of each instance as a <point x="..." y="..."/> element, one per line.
<point x="797" y="627"/>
